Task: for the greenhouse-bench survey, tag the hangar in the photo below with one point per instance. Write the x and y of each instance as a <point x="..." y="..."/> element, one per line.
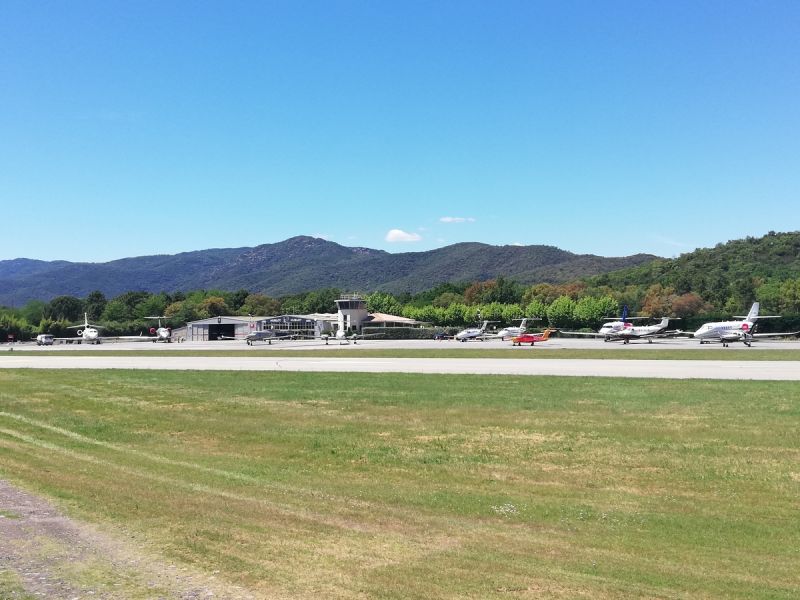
<point x="221" y="328"/>
<point x="238" y="328"/>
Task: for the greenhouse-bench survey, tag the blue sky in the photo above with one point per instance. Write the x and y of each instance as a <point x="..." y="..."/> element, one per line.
<point x="611" y="128"/>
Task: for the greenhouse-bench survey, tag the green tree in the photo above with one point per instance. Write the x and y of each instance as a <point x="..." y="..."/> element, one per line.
<point x="536" y="309"/>
<point x="260" y="305"/>
<point x="237" y="299"/>
<point x="152" y="306"/>
<point x="64" y="307"/>
<point x="213" y="306"/>
<point x="561" y="312"/>
<point x="383" y="303"/>
<point x="590" y="311"/>
<point x="789" y="300"/>
<point x="33" y="311"/>
<point x="128" y="301"/>
<point x="322" y="301"/>
<point x="510" y="312"/>
<point x="115" y="310"/>
<point x="95" y="304"/>
<point x="447" y="298"/>
<point x="182" y="311"/>
<point x="544" y="293"/>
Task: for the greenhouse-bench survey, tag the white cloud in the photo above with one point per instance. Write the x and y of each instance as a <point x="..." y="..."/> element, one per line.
<point x="457" y="220"/>
<point x="398" y="235"/>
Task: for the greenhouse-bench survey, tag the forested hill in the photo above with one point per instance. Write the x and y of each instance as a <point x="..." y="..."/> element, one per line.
<point x="734" y="273"/>
<point x="298" y="265"/>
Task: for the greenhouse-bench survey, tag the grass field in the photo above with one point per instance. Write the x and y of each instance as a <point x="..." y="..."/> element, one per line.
<point x="418" y="486"/>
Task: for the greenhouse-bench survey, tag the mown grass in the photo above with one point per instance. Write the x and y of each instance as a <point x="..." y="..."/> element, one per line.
<point x="422" y="486"/>
<point x="11" y="586"/>
<point x="633" y="352"/>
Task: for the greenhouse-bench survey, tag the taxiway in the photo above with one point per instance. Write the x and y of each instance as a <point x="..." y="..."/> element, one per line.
<point x="179" y="360"/>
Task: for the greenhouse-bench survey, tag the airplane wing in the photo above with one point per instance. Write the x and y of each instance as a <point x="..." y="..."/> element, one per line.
<point x="587" y="333"/>
<point x="261" y="336"/>
<point x="130" y="338"/>
<point x="768" y="335"/>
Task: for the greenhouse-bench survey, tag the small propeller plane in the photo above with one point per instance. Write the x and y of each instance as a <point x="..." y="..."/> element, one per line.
<point x="343" y="337"/>
<point x="532" y="338"/>
<point x="726" y="332"/>
<point x="269" y="336"/>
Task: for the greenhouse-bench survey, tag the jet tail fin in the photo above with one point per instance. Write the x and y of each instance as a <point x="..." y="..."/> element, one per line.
<point x="753" y="314"/>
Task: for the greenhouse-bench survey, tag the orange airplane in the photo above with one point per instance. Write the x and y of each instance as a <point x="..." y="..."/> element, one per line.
<point x="531" y="338"/>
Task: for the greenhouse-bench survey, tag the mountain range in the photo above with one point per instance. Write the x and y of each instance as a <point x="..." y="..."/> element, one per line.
<point x="300" y="264"/>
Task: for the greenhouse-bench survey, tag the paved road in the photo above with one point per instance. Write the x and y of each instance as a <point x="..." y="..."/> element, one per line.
<point x="671" y="369"/>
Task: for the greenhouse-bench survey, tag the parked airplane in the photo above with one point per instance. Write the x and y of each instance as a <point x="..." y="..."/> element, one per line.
<point x="641" y="332"/>
<point x="343" y="337"/>
<point x="726" y="332"/>
<point x="532" y="338"/>
<point x="511" y="332"/>
<point x="472" y="333"/>
<point x="161" y="333"/>
<point x="89" y="334"/>
<point x="610" y="331"/>
<point x="269" y="336"/>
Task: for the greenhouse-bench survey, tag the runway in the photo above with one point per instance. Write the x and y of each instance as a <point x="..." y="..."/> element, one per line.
<point x="662" y="369"/>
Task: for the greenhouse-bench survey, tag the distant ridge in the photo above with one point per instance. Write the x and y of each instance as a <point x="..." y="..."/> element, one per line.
<point x="300" y="264"/>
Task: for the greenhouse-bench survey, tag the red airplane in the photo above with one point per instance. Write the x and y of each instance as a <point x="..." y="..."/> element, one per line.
<point x="531" y="338"/>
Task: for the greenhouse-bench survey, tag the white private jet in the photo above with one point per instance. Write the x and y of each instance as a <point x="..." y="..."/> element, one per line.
<point x="613" y="329"/>
<point x="640" y="332"/>
<point x="472" y="333"/>
<point x="160" y="333"/>
<point x="512" y="332"/>
<point x="726" y="332"/>
<point x="89" y="334"/>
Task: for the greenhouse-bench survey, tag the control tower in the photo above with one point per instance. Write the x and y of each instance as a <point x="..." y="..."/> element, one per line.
<point x="352" y="311"/>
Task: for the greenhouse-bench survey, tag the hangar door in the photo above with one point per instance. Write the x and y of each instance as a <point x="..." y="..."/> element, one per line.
<point x="221" y="331"/>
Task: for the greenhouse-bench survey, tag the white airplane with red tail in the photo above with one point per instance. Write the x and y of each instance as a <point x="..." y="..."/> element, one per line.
<point x="726" y="332"/>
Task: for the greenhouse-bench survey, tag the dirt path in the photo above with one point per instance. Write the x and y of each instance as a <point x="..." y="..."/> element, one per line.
<point x="44" y="554"/>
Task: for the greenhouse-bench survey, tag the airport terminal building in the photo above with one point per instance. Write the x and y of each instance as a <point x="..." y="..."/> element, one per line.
<point x="352" y="315"/>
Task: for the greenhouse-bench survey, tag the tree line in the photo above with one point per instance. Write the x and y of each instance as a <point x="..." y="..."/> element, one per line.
<point x="576" y="305"/>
